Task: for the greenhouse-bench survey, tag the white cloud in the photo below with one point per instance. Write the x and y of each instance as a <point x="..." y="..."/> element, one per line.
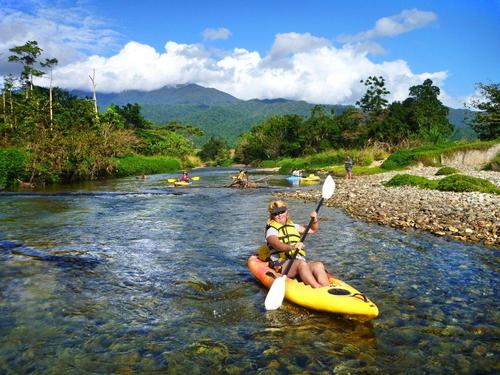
<point x="214" y="34"/>
<point x="318" y="73"/>
<point x="403" y="22"/>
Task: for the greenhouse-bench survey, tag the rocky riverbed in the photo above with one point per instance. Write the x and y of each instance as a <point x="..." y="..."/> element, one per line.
<point x="472" y="217"/>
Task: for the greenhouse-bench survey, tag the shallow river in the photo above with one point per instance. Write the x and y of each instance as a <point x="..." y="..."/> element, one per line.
<point x="131" y="276"/>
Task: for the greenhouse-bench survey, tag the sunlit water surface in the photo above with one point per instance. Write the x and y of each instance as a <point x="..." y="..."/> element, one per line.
<point x="131" y="276"/>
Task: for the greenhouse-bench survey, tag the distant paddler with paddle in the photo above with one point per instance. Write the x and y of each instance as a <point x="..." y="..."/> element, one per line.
<point x="285" y="246"/>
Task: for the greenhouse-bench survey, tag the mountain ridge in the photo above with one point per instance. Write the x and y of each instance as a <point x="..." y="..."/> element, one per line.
<point x="220" y="114"/>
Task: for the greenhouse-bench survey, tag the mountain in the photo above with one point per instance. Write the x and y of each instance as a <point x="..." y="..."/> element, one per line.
<point x="220" y="114"/>
<point x="188" y="94"/>
<point x="461" y="118"/>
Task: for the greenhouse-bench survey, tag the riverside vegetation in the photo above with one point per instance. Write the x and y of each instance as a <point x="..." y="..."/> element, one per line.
<point x="48" y="135"/>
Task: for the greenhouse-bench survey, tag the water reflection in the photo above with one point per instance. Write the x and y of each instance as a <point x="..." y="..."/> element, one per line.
<point x="113" y="279"/>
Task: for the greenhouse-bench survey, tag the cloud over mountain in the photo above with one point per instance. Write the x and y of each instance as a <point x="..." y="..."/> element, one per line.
<point x="316" y="72"/>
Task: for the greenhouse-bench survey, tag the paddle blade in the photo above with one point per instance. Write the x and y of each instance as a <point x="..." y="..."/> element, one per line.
<point x="328" y="188"/>
<point x="276" y="294"/>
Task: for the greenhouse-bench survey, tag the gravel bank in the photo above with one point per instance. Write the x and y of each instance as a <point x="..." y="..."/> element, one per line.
<point x="472" y="217"/>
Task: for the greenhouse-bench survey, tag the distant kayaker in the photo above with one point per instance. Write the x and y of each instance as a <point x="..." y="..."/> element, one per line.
<point x="185" y="177"/>
<point x="283" y="238"/>
<point x="348" y="167"/>
<point x="297" y="173"/>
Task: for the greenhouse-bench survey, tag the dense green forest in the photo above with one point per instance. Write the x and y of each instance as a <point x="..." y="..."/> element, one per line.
<point x="419" y="119"/>
<point x="219" y="114"/>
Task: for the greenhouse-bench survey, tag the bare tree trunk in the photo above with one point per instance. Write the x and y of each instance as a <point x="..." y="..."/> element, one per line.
<point x="4" y="94"/>
<point x="12" y="110"/>
<point x="94" y="97"/>
<point x="50" y="101"/>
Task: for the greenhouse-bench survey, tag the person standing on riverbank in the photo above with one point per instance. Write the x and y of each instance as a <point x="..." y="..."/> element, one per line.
<point x="283" y="239"/>
<point x="348" y="167"/>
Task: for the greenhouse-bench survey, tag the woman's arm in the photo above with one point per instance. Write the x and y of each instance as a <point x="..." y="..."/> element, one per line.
<point x="315" y="225"/>
<point x="282" y="247"/>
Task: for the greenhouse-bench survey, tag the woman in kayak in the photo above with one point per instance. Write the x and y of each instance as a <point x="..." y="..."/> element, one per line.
<point x="283" y="238"/>
<point x="185" y="177"/>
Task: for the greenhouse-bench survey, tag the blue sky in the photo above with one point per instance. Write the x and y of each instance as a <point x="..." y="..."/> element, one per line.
<point x="315" y="50"/>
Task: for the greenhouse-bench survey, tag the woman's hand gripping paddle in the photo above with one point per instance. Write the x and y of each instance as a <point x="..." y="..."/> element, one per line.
<point x="276" y="294"/>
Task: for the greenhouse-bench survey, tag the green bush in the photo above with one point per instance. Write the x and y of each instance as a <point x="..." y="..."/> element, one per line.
<point x="411" y="180"/>
<point x="11" y="167"/>
<point x="458" y="182"/>
<point x="405" y="158"/>
<point x="269" y="164"/>
<point x="455" y="182"/>
<point x="445" y="171"/>
<point x="137" y="165"/>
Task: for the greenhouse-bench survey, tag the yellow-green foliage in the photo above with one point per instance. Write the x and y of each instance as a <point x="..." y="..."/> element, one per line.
<point x="191" y="161"/>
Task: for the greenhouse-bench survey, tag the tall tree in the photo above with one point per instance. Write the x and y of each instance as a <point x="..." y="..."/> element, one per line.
<point x="430" y="114"/>
<point x="486" y="123"/>
<point x="216" y="149"/>
<point x="50" y="63"/>
<point x="132" y="117"/>
<point x="373" y="100"/>
<point x="27" y="55"/>
<point x="94" y="94"/>
<point x="9" y="84"/>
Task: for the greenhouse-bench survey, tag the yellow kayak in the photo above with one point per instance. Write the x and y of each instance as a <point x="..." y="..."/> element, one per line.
<point x="306" y="181"/>
<point x="182" y="183"/>
<point x="338" y="298"/>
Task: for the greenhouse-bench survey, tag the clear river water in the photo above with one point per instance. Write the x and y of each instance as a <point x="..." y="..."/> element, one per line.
<point x="133" y="276"/>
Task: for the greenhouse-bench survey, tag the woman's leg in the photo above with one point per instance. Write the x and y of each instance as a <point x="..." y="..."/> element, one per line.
<point x="318" y="270"/>
<point x="302" y="269"/>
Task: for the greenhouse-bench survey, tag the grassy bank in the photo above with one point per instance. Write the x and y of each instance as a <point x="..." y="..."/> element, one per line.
<point x="333" y="161"/>
<point x="326" y="160"/>
<point x="138" y="165"/>
<point x="430" y="155"/>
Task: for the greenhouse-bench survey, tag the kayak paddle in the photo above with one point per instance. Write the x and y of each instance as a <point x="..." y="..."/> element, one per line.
<point x="276" y="294"/>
